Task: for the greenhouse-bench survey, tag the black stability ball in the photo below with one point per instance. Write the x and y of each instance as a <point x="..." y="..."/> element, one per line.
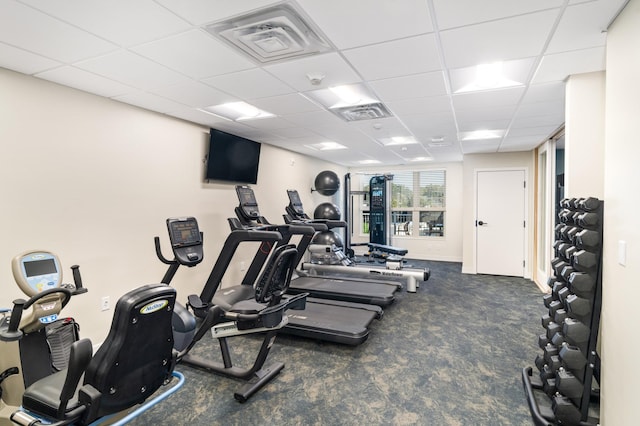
<point x="327" y="182"/>
<point x="327" y="238"/>
<point x="327" y="211"/>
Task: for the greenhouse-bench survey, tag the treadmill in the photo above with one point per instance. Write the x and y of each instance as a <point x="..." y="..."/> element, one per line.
<point x="332" y="321"/>
<point x="348" y="268"/>
<point x="380" y="293"/>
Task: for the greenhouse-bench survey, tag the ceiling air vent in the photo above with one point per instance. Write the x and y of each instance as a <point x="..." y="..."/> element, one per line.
<point x="272" y="34"/>
<point x="362" y="112"/>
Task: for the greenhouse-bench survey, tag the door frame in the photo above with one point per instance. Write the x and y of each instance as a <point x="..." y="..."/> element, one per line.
<point x="527" y="257"/>
<point x="544" y="213"/>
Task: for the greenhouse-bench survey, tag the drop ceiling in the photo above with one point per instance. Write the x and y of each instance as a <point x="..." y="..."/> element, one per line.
<point x="413" y="56"/>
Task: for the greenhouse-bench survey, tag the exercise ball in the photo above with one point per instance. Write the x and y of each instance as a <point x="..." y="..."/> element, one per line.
<point x="327" y="182"/>
<point x="327" y="211"/>
<point x="327" y="238"/>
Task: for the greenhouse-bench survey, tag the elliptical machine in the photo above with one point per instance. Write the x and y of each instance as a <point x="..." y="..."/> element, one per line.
<point x="263" y="312"/>
<point x="36" y="345"/>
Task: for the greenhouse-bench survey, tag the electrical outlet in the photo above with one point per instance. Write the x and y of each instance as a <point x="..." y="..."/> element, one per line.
<point x="104" y="303"/>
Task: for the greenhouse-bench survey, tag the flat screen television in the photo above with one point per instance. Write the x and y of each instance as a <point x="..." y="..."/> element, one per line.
<point x="232" y="158"/>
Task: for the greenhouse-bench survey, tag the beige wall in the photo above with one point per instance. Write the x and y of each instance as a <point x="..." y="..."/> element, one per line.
<point x="94" y="180"/>
<point x="621" y="292"/>
<point x="584" y="135"/>
<point x="473" y="162"/>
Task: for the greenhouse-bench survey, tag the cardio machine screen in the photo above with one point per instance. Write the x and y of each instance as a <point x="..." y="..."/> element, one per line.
<point x="184" y="233"/>
<point x="40" y="267"/>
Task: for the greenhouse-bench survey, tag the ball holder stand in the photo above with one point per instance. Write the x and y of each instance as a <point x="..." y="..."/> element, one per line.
<point x="566" y="389"/>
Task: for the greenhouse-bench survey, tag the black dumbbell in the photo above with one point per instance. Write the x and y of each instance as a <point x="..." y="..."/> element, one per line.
<point x="566" y="271"/>
<point x="552" y="329"/>
<point x="579" y="308"/>
<point x="584" y="261"/>
<point x="587" y="220"/>
<point x="587" y="239"/>
<point x="569" y="385"/>
<point x="575" y="333"/>
<point x="565" y="412"/>
<point x="582" y="284"/>
<point x="573" y="359"/>
<point x="560" y="316"/>
<point x="589" y="204"/>
<point x="543" y="340"/>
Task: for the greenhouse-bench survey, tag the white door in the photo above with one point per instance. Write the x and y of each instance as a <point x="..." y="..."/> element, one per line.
<point x="500" y="222"/>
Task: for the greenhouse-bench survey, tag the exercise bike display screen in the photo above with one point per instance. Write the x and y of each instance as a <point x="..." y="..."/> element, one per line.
<point x="40" y="267"/>
<point x="184" y="232"/>
<point x="36" y="272"/>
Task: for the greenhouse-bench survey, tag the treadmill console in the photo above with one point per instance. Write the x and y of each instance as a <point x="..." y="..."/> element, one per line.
<point x="36" y="272"/>
<point x="248" y="202"/>
<point x="295" y="203"/>
<point x="186" y="240"/>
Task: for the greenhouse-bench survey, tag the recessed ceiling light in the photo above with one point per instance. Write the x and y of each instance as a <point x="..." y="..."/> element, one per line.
<point x="342" y="96"/>
<point x="398" y="140"/>
<point x="488" y="76"/>
<point x="368" y="162"/>
<point x="421" y="159"/>
<point x="326" y="146"/>
<point x="238" y="111"/>
<point x="481" y="135"/>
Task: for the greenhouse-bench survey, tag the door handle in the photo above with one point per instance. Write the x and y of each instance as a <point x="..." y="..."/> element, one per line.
<point x="481" y="223"/>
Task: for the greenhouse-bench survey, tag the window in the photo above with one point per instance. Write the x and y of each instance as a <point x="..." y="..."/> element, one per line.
<point x="416" y="197"/>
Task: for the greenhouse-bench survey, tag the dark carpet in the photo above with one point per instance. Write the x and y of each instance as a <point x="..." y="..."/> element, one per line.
<point x="450" y="354"/>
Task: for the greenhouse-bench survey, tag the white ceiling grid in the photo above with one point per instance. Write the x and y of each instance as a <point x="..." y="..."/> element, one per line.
<point x="414" y="56"/>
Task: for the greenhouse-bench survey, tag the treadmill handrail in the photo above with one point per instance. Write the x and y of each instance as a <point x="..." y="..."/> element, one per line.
<point x="235" y="238"/>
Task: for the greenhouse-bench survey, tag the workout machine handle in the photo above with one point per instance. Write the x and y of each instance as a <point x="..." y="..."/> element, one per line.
<point x="12" y="333"/>
<point x="163" y="259"/>
<point x="77" y="280"/>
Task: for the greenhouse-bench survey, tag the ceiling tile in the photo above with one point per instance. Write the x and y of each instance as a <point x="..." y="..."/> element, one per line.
<point x="271" y="123"/>
<point x="502" y="40"/>
<point x="485" y="118"/>
<point x="459" y="13"/>
<point x="411" y="86"/>
<point x="122" y="22"/>
<point x="558" y="67"/>
<point x="482" y="146"/>
<point x="488" y="123"/>
<point x="360" y="22"/>
<point x="330" y="65"/>
<point x="553" y="91"/>
<point x="522" y="143"/>
<point x="432" y="104"/>
<point x="382" y="128"/>
<point x="396" y="58"/>
<point x="149" y="101"/>
<point x="84" y="80"/>
<point x="545" y="120"/>
<point x="541" y="108"/>
<point x="286" y="104"/>
<point x="194" y="94"/>
<point x="530" y="131"/>
<point x="250" y="84"/>
<point x="204" y="57"/>
<point x="314" y="119"/>
<point x="22" y="61"/>
<point x="199" y="12"/>
<point x="583" y="26"/>
<point x="31" y="30"/>
<point x="133" y="70"/>
<point x="196" y="116"/>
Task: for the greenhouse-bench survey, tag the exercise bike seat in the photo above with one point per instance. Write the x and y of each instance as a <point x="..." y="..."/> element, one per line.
<point x="135" y="359"/>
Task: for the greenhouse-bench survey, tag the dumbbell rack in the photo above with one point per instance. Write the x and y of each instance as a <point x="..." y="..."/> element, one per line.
<point x="566" y="388"/>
